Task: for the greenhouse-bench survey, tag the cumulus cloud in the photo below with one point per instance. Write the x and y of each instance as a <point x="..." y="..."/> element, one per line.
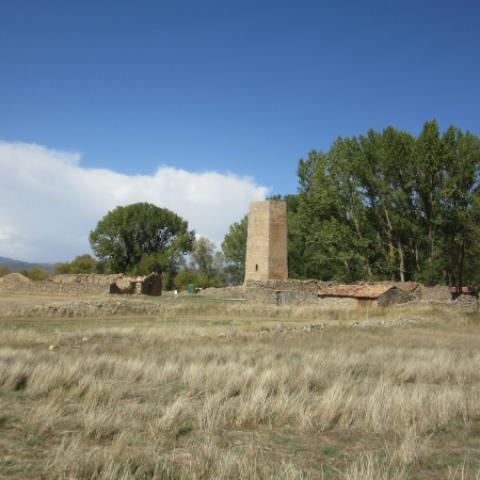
<point x="49" y="202"/>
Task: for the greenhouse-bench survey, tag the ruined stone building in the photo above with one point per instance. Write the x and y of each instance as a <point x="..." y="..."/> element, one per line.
<point x="143" y="285"/>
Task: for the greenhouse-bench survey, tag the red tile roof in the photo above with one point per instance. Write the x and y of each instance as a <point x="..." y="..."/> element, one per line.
<point x="356" y="291"/>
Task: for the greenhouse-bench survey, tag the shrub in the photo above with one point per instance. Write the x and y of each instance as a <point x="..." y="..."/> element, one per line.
<point x="37" y="274"/>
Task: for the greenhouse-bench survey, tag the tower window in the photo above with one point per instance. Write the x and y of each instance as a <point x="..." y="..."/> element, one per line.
<point x="256" y="267"/>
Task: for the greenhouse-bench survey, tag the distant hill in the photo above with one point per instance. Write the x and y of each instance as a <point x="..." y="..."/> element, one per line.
<point x="18" y="265"/>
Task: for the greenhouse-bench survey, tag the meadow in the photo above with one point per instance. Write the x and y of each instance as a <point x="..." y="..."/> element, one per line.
<point x="231" y="397"/>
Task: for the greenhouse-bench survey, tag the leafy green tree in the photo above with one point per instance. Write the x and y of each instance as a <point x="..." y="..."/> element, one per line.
<point x="150" y="263"/>
<point x="83" y="264"/>
<point x="127" y="234"/>
<point x="458" y="229"/>
<point x="208" y="263"/>
<point x="203" y="257"/>
<point x="234" y="247"/>
<point x="324" y="225"/>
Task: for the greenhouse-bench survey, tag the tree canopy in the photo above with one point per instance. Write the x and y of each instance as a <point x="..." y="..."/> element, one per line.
<point x="141" y="236"/>
<point x="391" y="206"/>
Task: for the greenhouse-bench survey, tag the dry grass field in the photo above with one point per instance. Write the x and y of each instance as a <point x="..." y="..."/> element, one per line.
<point x="215" y="397"/>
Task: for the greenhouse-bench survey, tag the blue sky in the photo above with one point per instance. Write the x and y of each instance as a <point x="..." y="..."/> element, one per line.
<point x="243" y="87"/>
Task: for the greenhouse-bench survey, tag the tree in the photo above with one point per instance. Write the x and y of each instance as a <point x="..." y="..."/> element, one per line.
<point x="127" y="234"/>
<point x="83" y="264"/>
<point x="203" y="257"/>
<point x="459" y="206"/>
<point x="234" y="248"/>
<point x="208" y="264"/>
<point x="36" y="274"/>
<point x="186" y="277"/>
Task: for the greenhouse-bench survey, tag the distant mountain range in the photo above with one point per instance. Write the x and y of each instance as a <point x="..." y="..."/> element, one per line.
<point x="18" y="265"/>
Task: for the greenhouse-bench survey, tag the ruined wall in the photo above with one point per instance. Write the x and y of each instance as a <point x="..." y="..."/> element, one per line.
<point x="465" y="303"/>
<point x="395" y="296"/>
<point x="342" y="303"/>
<point x="305" y="292"/>
<point x="69" y="284"/>
<point x="440" y="296"/>
<point x="438" y="293"/>
<point x="266" y="256"/>
<point x="152" y="284"/>
<point x="283" y="292"/>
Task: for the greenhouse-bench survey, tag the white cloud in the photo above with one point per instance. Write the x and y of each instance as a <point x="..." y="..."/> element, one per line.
<point x="49" y="202"/>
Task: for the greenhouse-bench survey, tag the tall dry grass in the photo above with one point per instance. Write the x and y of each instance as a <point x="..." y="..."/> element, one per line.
<point x="174" y="401"/>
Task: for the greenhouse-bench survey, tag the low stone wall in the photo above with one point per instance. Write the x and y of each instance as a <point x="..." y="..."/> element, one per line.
<point x="87" y="279"/>
<point x="439" y="296"/>
<point x="284" y="292"/>
<point x="464" y="303"/>
<point x="438" y="293"/>
<point x="81" y="284"/>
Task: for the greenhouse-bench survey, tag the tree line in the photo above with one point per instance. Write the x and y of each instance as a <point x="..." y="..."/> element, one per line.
<point x="385" y="206"/>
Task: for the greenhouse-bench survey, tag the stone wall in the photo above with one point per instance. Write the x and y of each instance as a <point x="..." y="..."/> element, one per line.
<point x="69" y="284"/>
<point x="438" y="293"/>
<point x="283" y="292"/>
<point x="305" y="292"/>
<point x="465" y="303"/>
<point x="342" y="303"/>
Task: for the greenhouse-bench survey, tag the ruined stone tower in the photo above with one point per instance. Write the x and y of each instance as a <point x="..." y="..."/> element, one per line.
<point x="267" y="241"/>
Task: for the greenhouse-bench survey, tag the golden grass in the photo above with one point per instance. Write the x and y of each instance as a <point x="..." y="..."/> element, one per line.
<point x="154" y="399"/>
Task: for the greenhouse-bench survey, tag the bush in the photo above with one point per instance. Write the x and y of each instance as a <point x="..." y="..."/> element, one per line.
<point x="36" y="274"/>
<point x="61" y="268"/>
<point x="186" y="277"/>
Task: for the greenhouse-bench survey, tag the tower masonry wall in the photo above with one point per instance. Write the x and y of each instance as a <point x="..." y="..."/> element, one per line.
<point x="278" y="251"/>
<point x="267" y="241"/>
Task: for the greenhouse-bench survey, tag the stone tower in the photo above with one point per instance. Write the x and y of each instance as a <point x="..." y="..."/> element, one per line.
<point x="267" y="241"/>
